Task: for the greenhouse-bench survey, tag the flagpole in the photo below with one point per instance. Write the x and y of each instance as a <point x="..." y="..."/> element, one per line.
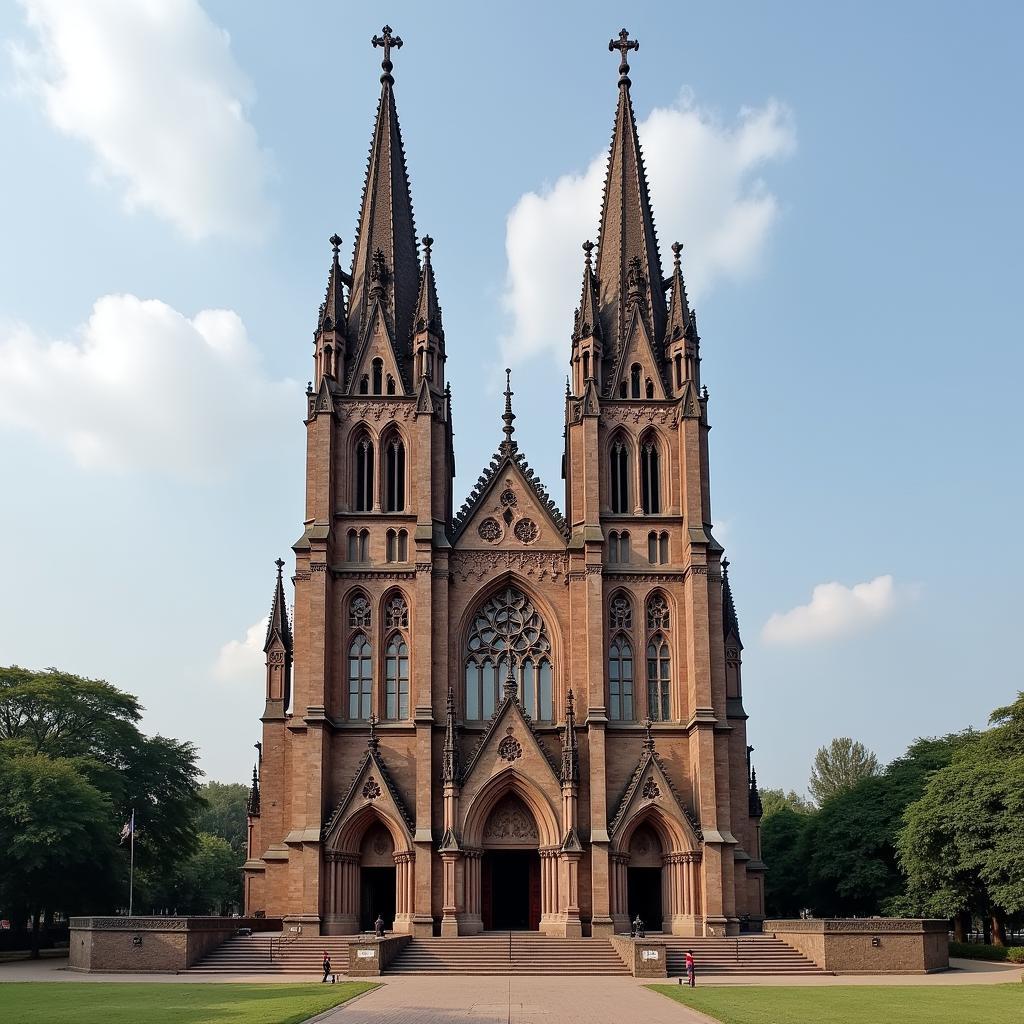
<point x="131" y="870"/>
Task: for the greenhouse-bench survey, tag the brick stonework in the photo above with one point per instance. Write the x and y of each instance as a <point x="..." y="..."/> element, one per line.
<point x="437" y="794"/>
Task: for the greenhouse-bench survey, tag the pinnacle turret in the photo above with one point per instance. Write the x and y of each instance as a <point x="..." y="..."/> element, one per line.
<point x="278" y="628"/>
<point x="508" y="416"/>
<point x="730" y="623"/>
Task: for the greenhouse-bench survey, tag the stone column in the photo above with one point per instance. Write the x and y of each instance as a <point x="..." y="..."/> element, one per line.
<point x="449" y="901"/>
<point x="471" y="921"/>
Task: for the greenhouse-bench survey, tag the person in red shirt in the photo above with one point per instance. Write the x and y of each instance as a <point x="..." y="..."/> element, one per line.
<point x="689" y="969"/>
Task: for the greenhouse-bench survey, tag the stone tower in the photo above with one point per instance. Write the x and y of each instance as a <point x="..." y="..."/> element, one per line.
<point x="507" y="717"/>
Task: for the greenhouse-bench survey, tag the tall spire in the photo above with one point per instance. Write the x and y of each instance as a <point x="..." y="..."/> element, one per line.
<point x="678" y="303"/>
<point x="588" y="320"/>
<point x="570" y="753"/>
<point x="450" y="754"/>
<point x="252" y="804"/>
<point x="332" y="310"/>
<point x="628" y="263"/>
<point x="385" y="263"/>
<point x="428" y="310"/>
<point x="508" y="445"/>
<point x="278" y="626"/>
<point x="730" y="623"/>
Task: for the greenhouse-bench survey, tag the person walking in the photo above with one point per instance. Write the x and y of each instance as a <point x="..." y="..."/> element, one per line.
<point x="689" y="969"/>
<point x="327" y="966"/>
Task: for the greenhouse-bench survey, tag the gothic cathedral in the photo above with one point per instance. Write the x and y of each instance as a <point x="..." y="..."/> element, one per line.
<point x="510" y="717"/>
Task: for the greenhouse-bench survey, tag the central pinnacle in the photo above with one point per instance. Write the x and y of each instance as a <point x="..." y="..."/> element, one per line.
<point x="508" y="416"/>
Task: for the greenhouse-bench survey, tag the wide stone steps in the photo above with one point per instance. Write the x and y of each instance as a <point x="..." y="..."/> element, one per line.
<point x="522" y="953"/>
<point x="737" y="955"/>
<point x="269" y="953"/>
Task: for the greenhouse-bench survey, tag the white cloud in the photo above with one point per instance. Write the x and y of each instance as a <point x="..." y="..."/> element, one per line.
<point x="152" y="87"/>
<point x="836" y="610"/>
<point x="705" y="191"/>
<point x="141" y="386"/>
<point x="242" y="661"/>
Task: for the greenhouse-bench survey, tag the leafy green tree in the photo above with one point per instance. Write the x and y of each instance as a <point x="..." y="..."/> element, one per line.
<point x="208" y="881"/>
<point x="225" y="813"/>
<point x="962" y="844"/>
<point x="773" y="800"/>
<point x="784" y="848"/>
<point x="839" y="767"/>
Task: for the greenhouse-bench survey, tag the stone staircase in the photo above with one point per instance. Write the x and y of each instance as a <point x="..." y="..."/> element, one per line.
<point x="508" y="953"/>
<point x="274" y="953"/>
<point x="736" y="955"/>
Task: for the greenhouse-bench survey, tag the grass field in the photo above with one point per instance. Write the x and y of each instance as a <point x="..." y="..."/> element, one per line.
<point x="854" y="1004"/>
<point x="33" y="1002"/>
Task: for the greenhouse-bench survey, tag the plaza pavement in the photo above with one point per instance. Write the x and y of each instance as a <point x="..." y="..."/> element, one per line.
<point x="519" y="1000"/>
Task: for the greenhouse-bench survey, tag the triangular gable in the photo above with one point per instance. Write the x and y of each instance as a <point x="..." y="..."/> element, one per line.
<point x="638" y="348"/>
<point x="528" y="488"/>
<point x="378" y="343"/>
<point x="371" y="784"/>
<point x="324" y="398"/>
<point x="424" y="400"/>
<point x="650" y="785"/>
<point x="689" y="401"/>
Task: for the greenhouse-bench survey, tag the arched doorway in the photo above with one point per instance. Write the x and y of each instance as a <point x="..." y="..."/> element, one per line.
<point x="644" y="878"/>
<point x="510" y="871"/>
<point x="377" y="878"/>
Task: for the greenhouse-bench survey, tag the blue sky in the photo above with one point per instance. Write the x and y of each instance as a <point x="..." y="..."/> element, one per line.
<point x="846" y="181"/>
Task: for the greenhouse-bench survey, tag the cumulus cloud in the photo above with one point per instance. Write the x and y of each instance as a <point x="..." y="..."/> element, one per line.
<point x="242" y="661"/>
<point x="142" y="386"/>
<point x="706" y="192"/>
<point x="836" y="610"/>
<point x="153" y="89"/>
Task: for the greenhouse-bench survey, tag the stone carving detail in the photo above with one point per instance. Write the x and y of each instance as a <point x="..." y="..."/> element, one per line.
<point x="526" y="530"/>
<point x="657" y="612"/>
<point x="397" y="612"/>
<point x="510" y="822"/>
<point x="359" y="611"/>
<point x="380" y="844"/>
<point x="371" y="789"/>
<point x="508" y="498"/>
<point x="637" y="414"/>
<point x="536" y="565"/>
<point x="375" y="410"/>
<point x="489" y="530"/>
<point x="620" y="613"/>
<point x="651" y="790"/>
<point x="276" y="658"/>
<point x="510" y="749"/>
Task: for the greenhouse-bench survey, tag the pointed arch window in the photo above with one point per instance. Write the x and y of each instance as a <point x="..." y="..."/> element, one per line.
<point x="657" y="547"/>
<point x="586" y="367"/>
<point x="403" y="546"/>
<point x="623" y="390"/>
<point x="353" y="546"/>
<point x="508" y="629"/>
<point x="396" y="673"/>
<point x="394" y="474"/>
<point x="650" y="478"/>
<point x="377" y="369"/>
<point x="634" y="381"/>
<point x="364" y="545"/>
<point x="649" y="388"/>
<point x="360" y="678"/>
<point x="620" y="612"/>
<point x="659" y="676"/>
<point x="619" y="464"/>
<point x="620" y="679"/>
<point x="397" y="546"/>
<point x="364" y="385"/>
<point x="364" y="474"/>
<point x="679" y="370"/>
<point x="618" y="547"/>
<point x="391" y="385"/>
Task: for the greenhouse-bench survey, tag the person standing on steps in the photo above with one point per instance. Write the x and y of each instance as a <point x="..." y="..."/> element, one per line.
<point x="690" y="979"/>
<point x="327" y="966"/>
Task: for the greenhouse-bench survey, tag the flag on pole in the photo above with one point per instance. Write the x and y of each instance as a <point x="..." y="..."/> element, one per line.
<point x="129" y="828"/>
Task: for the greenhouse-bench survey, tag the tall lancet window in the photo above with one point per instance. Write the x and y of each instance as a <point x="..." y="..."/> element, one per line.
<point x="364" y="474"/>
<point x="620" y="658"/>
<point x="619" y="477"/>
<point x="394" y="470"/>
<point x="360" y="678"/>
<point x="659" y="659"/>
<point x="509" y="629"/>
<point x="634" y="381"/>
<point x="650" y="477"/>
<point x="377" y="367"/>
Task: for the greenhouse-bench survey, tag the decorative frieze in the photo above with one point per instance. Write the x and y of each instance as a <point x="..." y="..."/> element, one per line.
<point x="536" y="565"/>
<point x="376" y="410"/>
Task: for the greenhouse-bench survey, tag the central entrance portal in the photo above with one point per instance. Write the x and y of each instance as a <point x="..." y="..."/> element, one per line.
<point x="510" y="888"/>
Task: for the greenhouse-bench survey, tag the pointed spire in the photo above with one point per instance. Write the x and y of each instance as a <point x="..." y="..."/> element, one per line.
<point x="508" y="445"/>
<point x="730" y="623"/>
<point x="278" y="627"/>
<point x="385" y="261"/>
<point x="678" y="303"/>
<point x="628" y="263"/>
<point x="588" y="321"/>
<point x="332" y="310"/>
<point x="252" y="805"/>
<point x="428" y="311"/>
<point x="570" y="752"/>
<point x="754" y="808"/>
<point x="450" y="756"/>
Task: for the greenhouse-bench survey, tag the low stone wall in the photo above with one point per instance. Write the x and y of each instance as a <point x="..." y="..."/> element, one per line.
<point x="151" y="945"/>
<point x="368" y="957"/>
<point x="645" y="958"/>
<point x="872" y="945"/>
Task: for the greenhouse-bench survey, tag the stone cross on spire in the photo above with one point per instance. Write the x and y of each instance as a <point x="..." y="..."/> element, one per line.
<point x="387" y="40"/>
<point x="508" y="445"/>
<point x="624" y="45"/>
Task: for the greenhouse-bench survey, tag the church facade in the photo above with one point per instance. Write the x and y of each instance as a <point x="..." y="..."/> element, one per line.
<point x="510" y="716"/>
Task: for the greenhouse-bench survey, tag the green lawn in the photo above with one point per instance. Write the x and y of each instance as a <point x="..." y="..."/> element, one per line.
<point x="104" y="1002"/>
<point x="854" y="1004"/>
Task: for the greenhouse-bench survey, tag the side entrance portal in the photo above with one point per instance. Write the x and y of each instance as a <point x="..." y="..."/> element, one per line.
<point x="511" y="890"/>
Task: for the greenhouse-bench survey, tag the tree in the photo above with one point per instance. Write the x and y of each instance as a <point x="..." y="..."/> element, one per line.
<point x="225" y="814"/>
<point x="962" y="843"/>
<point x="784" y="849"/>
<point x="839" y="767"/>
<point x="208" y="881"/>
<point x="773" y="800"/>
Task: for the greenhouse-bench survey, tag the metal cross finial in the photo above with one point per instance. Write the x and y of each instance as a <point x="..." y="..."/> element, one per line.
<point x="280" y="565"/>
<point x="335" y="243"/>
<point x="588" y="248"/>
<point x="624" y="45"/>
<point x="387" y="40"/>
<point x="427" y="243"/>
<point x="677" y="248"/>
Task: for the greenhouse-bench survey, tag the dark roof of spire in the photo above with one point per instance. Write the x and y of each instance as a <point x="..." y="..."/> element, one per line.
<point x="588" y="319"/>
<point x="730" y="623"/>
<point x="428" y="310"/>
<point x="627" y="229"/>
<point x="386" y="225"/>
<point x="332" y="310"/>
<point x="278" y="626"/>
<point x="678" y="303"/>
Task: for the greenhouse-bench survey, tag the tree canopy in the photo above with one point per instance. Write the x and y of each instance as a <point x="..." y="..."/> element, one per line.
<point x="839" y="767"/>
